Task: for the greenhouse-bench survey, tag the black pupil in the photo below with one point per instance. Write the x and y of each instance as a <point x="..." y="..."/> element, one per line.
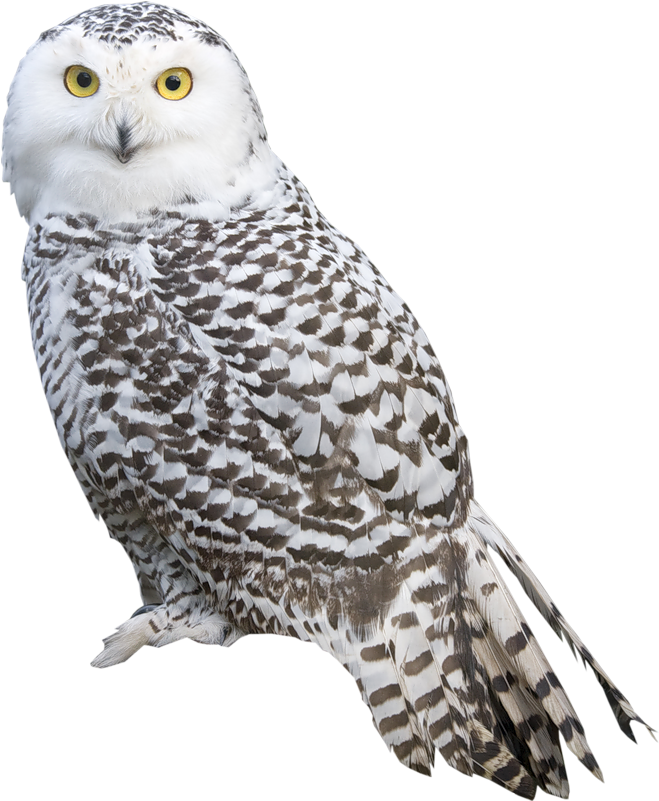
<point x="173" y="82"/>
<point x="84" y="80"/>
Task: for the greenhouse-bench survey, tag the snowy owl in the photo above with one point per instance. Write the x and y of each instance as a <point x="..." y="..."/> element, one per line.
<point x="254" y="413"/>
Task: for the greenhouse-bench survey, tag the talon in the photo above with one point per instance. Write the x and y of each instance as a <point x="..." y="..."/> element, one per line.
<point x="144" y="609"/>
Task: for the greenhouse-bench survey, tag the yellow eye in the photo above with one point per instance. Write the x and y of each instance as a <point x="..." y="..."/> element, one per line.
<point x="81" y="81"/>
<point x="174" y="84"/>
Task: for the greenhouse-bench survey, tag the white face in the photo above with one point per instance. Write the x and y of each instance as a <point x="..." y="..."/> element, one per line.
<point x="125" y="148"/>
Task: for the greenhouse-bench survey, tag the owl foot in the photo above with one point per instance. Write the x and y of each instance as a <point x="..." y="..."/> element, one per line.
<point x="161" y="625"/>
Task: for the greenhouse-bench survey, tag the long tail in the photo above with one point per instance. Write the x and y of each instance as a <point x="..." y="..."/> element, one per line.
<point x="455" y="667"/>
<point x="497" y="540"/>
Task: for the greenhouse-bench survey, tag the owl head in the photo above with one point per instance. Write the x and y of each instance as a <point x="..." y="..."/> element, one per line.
<point x="125" y="109"/>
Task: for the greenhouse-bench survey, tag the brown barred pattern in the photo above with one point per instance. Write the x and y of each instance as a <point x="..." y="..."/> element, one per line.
<point x="262" y="424"/>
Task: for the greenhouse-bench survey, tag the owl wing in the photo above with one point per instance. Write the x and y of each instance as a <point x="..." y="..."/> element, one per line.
<point x="321" y="428"/>
<point x="293" y="439"/>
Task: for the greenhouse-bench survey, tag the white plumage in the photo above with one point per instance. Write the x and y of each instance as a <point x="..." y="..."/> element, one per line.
<point x="106" y="266"/>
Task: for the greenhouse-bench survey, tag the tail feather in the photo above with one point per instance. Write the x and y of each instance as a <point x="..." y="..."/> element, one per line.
<point x="423" y="664"/>
<point x="383" y="689"/>
<point x="454" y="666"/>
<point x="505" y="619"/>
<point x="493" y="537"/>
<point x="525" y="726"/>
<point x="418" y="705"/>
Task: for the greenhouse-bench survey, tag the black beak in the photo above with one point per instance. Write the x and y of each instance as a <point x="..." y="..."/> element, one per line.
<point x="124" y="151"/>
